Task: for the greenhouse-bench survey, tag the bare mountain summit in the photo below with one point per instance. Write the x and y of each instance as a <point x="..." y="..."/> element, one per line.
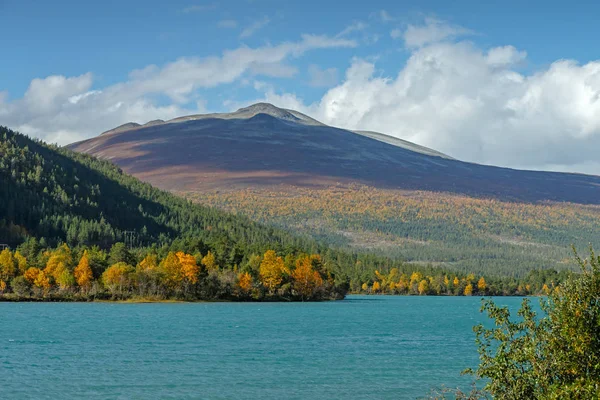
<point x="263" y="146"/>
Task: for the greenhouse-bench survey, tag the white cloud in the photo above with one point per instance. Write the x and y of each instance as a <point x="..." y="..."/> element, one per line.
<point x="505" y="55"/>
<point x="396" y="33"/>
<point x="65" y="109"/>
<point x="473" y="104"/>
<point x="254" y="27"/>
<point x="228" y="23"/>
<point x="322" y="77"/>
<point x="433" y="31"/>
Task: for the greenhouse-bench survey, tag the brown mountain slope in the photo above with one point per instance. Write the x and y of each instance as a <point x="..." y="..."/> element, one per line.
<point x="263" y="146"/>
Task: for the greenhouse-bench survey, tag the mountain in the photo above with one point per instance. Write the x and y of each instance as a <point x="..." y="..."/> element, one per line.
<point x="264" y="146"/>
<point x="362" y="189"/>
<point x="57" y="205"/>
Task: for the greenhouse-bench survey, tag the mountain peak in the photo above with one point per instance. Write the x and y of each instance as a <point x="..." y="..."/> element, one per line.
<point x="264" y="108"/>
<point x="268" y="109"/>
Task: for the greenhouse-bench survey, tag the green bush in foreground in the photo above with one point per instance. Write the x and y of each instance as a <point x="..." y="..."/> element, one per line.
<point x="553" y="356"/>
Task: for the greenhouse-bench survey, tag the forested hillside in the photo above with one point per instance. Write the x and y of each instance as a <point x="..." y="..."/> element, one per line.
<point x="463" y="233"/>
<point x="61" y="196"/>
<point x="66" y="215"/>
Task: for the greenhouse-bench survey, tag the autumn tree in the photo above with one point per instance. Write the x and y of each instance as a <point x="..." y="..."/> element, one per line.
<point x="31" y="274"/>
<point x="209" y="261"/>
<point x="189" y="270"/>
<point x="149" y="276"/>
<point x="306" y="279"/>
<point x="423" y="287"/>
<point x="40" y="279"/>
<point x="117" y="277"/>
<point x="21" y="262"/>
<point x="245" y="283"/>
<point x="481" y="284"/>
<point x="272" y="270"/>
<point x="83" y="273"/>
<point x="171" y="268"/>
<point x="59" y="266"/>
<point x="468" y="290"/>
<point x="376" y="287"/>
<point x="8" y="265"/>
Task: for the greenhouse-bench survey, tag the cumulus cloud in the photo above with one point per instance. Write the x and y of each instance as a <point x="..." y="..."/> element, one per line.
<point x="65" y="109"/>
<point x="505" y="55"/>
<point x="452" y="98"/>
<point x="473" y="104"/>
<point x="255" y="26"/>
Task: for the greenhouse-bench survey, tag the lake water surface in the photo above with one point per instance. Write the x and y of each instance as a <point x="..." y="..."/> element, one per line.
<point x="365" y="347"/>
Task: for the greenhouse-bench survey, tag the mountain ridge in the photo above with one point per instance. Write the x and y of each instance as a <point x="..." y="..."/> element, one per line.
<point x="263" y="145"/>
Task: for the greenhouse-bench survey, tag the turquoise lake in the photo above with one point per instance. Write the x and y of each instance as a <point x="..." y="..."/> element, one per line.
<point x="365" y="347"/>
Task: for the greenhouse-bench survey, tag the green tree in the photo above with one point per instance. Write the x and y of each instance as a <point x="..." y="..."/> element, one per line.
<point x="552" y="356"/>
<point x="120" y="254"/>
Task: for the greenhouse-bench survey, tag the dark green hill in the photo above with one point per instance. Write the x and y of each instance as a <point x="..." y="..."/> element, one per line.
<point x="62" y="196"/>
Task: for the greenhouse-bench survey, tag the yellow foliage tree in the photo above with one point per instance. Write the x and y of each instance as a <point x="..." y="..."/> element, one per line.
<point x="148" y="264"/>
<point x="455" y="282"/>
<point x="189" y="269"/>
<point x="416" y="277"/>
<point x="2" y="286"/>
<point x="272" y="270"/>
<point x="306" y="279"/>
<point x="83" y="271"/>
<point x="468" y="290"/>
<point x="245" y="282"/>
<point x="117" y="277"/>
<point x="376" y="287"/>
<point x="209" y="261"/>
<point x="7" y="265"/>
<point x="481" y="284"/>
<point x="423" y="286"/>
<point x="365" y="286"/>
<point x="171" y="268"/>
<point x="149" y="275"/>
<point x="545" y="289"/>
<point x="42" y="280"/>
<point x="58" y="266"/>
<point x="64" y="278"/>
<point x="21" y="262"/>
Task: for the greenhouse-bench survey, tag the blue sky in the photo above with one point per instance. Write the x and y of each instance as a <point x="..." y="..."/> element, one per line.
<point x="69" y="69"/>
<point x="111" y="38"/>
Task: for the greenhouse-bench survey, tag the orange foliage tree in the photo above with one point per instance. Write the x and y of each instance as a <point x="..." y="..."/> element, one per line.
<point x="306" y="279"/>
<point x="83" y="272"/>
<point x="245" y="282"/>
